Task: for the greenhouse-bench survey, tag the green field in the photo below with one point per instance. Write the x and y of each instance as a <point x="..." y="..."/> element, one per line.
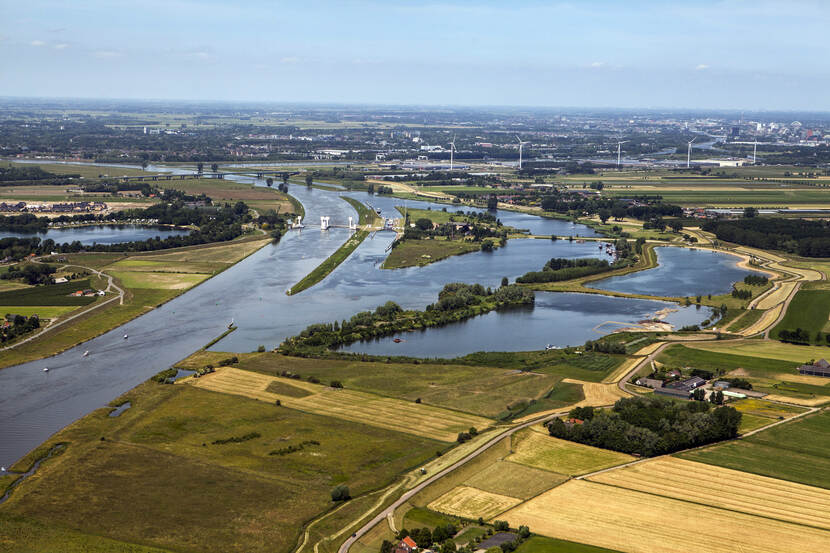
<point x="537" y="449"/>
<point x="514" y="479"/>
<point x="747" y="320"/>
<point x="416" y="253"/>
<point x="42" y="311"/>
<point x="678" y="356"/>
<point x="52" y="294"/>
<point x="810" y="311"/>
<point x="795" y="451"/>
<point x="119" y="487"/>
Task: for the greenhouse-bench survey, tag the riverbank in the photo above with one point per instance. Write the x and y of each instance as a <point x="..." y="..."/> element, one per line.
<point x="149" y="280"/>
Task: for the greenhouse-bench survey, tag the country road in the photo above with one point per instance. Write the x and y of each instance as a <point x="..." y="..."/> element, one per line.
<point x="344" y="548"/>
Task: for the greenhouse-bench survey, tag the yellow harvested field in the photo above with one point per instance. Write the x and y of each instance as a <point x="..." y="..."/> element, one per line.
<point x="597" y="394"/>
<point x="804" y="274"/>
<point x="764" y="348"/>
<point x="804" y="379"/>
<point x="807" y="402"/>
<point x="383" y="412"/>
<point x="467" y="502"/>
<point x="514" y="480"/>
<point x="538" y="449"/>
<point x="759" y="253"/>
<point x="725" y="488"/>
<point x="649" y="349"/>
<point x="766" y="320"/>
<point x="776" y="296"/>
<point x="624" y="367"/>
<point x="636" y="522"/>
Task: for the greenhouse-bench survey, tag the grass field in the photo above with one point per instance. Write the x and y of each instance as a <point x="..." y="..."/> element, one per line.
<point x="726" y="489"/>
<point x="795" y="451"/>
<point x="792" y="354"/>
<point x="120" y="487"/>
<point x="484" y="387"/>
<point x="515" y="480"/>
<point x="808" y="310"/>
<point x="416" y="253"/>
<point x="42" y="311"/>
<point x="225" y="190"/>
<point x="761" y="408"/>
<point x="636" y="522"/>
<point x="535" y="448"/>
<point x="542" y="544"/>
<point x="472" y="503"/>
<point x="391" y="413"/>
<point x="161" y="281"/>
<point x="745" y="321"/>
<point x="52" y="295"/>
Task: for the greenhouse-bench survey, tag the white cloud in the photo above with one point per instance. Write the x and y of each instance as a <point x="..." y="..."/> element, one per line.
<point x="37" y="43"/>
<point x="702" y="67"/>
<point x="200" y="55"/>
<point x="598" y="64"/>
<point x="290" y="59"/>
<point x="107" y="54"/>
<point x="61" y="46"/>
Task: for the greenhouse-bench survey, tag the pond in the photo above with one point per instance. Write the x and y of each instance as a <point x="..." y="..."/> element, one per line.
<point x="681" y="272"/>
<point x="101" y="234"/>
<point x="559" y="319"/>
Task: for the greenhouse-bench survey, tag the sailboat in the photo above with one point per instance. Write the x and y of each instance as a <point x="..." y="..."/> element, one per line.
<point x="125" y="336"/>
<point x="86" y="353"/>
<point x="46" y="369"/>
<point x="231" y="325"/>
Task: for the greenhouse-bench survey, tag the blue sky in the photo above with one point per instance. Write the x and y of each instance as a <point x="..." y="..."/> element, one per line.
<point x="733" y="54"/>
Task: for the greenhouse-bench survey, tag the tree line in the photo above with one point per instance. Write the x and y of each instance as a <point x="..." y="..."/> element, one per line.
<point x="558" y="269"/>
<point x="804" y="237"/>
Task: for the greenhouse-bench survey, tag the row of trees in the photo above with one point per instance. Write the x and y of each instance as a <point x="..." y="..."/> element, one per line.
<point x="456" y="302"/>
<point x="30" y="273"/>
<point x="806" y="238"/>
<point x="20" y="325"/>
<point x="558" y="269"/>
<point x="651" y="426"/>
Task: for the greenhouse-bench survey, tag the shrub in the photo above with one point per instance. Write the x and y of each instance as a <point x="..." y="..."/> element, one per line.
<point x="340" y="493"/>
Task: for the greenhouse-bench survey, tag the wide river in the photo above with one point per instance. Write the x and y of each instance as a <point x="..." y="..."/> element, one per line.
<point x="35" y="404"/>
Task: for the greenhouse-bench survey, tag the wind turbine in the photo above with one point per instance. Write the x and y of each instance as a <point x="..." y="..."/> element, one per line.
<point x="754" y="150"/>
<point x="689" y="154"/>
<point x="452" y="148"/>
<point x="619" y="151"/>
<point x="520" y="150"/>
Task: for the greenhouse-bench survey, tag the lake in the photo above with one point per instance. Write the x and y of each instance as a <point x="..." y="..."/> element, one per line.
<point x="101" y="234"/>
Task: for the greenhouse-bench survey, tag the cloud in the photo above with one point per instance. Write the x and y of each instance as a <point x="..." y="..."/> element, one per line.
<point x="702" y="67"/>
<point x="107" y="54"/>
<point x="61" y="46"/>
<point x="290" y="59"/>
<point x="37" y="43"/>
<point x="598" y="64"/>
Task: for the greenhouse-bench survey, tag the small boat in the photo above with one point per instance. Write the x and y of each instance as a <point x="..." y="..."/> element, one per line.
<point x="46" y="369"/>
<point x="551" y="346"/>
<point x="231" y="324"/>
<point x="397" y="340"/>
<point x="125" y="336"/>
<point x="86" y="353"/>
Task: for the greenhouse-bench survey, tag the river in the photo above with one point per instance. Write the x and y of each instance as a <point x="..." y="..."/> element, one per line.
<point x="100" y="234"/>
<point x="35" y="404"/>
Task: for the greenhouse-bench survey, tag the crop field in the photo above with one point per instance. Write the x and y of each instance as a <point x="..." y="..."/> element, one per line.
<point x="161" y="281"/>
<point x="795" y="451"/>
<point x="53" y="295"/>
<point x="745" y="321"/>
<point x="769" y="409"/>
<point x="808" y="310"/>
<point x="469" y="502"/>
<point x="42" y="311"/>
<point x="141" y="264"/>
<point x="480" y="388"/>
<point x="412" y="253"/>
<point x="791" y="354"/>
<point x="515" y="480"/>
<point x="394" y="414"/>
<point x="598" y="394"/>
<point x="821" y="266"/>
<point x="726" y="489"/>
<point x="229" y="253"/>
<point x="753" y="422"/>
<point x="724" y="358"/>
<point x="778" y="295"/>
<point x="225" y="190"/>
<point x="544" y="544"/>
<point x="535" y="448"/>
<point x="635" y="522"/>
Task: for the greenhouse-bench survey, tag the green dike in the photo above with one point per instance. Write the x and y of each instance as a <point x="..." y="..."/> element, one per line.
<point x="366" y="217"/>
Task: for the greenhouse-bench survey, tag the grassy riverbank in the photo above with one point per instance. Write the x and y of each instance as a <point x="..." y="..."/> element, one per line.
<point x="148" y="279"/>
<point x="324" y="269"/>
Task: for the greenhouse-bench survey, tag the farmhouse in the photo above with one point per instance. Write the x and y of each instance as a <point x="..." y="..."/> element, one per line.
<point x="819" y="368"/>
<point x="407" y="545"/>
<point x="649" y="383"/>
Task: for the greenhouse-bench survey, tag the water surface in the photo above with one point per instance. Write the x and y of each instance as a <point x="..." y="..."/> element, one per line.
<point x="101" y="234"/>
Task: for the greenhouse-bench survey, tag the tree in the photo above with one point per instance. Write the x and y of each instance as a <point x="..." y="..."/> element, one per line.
<point x="492" y="202"/>
<point x="340" y="493"/>
<point x="214" y="167"/>
<point x="423" y="224"/>
<point x="717" y="398"/>
<point x="269" y="181"/>
<point x="144" y="163"/>
<point x="505" y="282"/>
<point x="309" y="180"/>
<point x="501" y="525"/>
<point x="448" y="547"/>
<point x="676" y="225"/>
<point x="750" y="212"/>
<point x="285" y="179"/>
<point x="387" y="547"/>
<point x="699" y="394"/>
<point x="200" y="167"/>
<point x="604" y="214"/>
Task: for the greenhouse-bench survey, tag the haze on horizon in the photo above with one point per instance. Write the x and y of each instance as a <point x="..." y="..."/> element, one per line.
<point x="727" y="54"/>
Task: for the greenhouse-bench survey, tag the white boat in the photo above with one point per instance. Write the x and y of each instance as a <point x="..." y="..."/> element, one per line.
<point x="231" y="325"/>
<point x="46" y="369"/>
<point x="551" y="346"/>
<point x="125" y="336"/>
<point x="86" y="353"/>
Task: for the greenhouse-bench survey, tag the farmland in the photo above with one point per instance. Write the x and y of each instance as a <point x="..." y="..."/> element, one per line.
<point x="409" y="417"/>
<point x="795" y="451"/>
<point x="810" y="311"/>
<point x="633" y="521"/>
<point x="119" y="487"/>
<point x="745" y="493"/>
<point x="412" y="253"/>
<point x="472" y="503"/>
<point x="535" y="448"/>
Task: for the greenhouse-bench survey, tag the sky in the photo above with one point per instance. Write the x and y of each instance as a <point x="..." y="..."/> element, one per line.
<point x="702" y="54"/>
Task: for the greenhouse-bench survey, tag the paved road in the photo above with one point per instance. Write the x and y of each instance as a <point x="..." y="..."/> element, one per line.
<point x="406" y="496"/>
<point x="110" y="286"/>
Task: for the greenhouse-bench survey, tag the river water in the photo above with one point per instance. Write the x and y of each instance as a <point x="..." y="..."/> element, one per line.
<point x="100" y="234"/>
<point x="35" y="404"/>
